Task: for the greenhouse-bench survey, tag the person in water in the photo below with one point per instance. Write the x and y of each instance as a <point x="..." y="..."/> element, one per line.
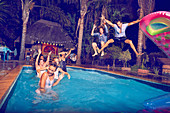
<point x="47" y="79"/>
<point x="73" y="57"/>
<point x="57" y="76"/>
<point x="40" y="65"/>
<point x="120" y="35"/>
<point x="102" y="35"/>
<point x="62" y="59"/>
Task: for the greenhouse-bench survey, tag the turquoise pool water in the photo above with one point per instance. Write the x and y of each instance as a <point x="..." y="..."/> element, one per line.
<point x="86" y="91"/>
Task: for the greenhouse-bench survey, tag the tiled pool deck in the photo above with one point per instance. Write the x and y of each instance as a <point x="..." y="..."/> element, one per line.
<point x="7" y="80"/>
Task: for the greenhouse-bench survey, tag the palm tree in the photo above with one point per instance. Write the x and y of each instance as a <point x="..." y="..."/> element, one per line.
<point x="48" y="10"/>
<point x="27" y="5"/>
<point x="4" y="12"/>
<point x="83" y="11"/>
<point x="146" y="7"/>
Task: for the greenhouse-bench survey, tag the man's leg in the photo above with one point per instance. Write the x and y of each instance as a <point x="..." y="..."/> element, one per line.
<point x="94" y="45"/>
<point x="106" y="44"/>
<point x="132" y="46"/>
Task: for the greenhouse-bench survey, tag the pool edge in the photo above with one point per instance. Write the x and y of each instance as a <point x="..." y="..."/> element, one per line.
<point x="121" y="74"/>
<point x="8" y="82"/>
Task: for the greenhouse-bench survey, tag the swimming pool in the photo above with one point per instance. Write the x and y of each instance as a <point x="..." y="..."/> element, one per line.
<point x="86" y="91"/>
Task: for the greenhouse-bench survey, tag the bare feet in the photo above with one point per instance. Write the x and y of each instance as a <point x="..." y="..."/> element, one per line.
<point x="139" y="54"/>
<point x="95" y="54"/>
<point x="99" y="51"/>
<point x="102" y="53"/>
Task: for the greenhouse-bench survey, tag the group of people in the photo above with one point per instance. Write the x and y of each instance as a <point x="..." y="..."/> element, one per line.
<point x="51" y="74"/>
<point x="48" y="72"/>
<point x="120" y="35"/>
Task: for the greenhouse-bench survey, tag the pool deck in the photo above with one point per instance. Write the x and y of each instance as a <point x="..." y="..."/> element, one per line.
<point x="10" y="75"/>
<point x="7" y="80"/>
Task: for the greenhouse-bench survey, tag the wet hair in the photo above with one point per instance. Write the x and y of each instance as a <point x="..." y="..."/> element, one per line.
<point x="55" y="58"/>
<point x="41" y="55"/>
<point x="40" y="59"/>
<point x="54" y="65"/>
<point x="61" y="55"/>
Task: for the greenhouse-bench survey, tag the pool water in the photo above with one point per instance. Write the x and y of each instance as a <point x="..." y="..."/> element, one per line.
<point x="86" y="91"/>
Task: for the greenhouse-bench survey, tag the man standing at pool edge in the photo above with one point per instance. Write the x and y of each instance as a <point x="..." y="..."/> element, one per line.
<point x="120" y="35"/>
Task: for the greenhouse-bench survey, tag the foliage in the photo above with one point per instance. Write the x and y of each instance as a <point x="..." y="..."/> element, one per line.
<point x="119" y="14"/>
<point x="154" y="56"/>
<point x="95" y="7"/>
<point x="156" y="70"/>
<point x="50" y="13"/>
<point x="10" y="27"/>
<point x="114" y="52"/>
<point x="87" y="47"/>
<point x="125" y="56"/>
<point x="145" y="59"/>
<point x="72" y="28"/>
<point x="4" y="12"/>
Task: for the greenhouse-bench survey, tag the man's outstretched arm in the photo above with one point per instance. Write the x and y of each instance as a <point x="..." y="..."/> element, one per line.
<point x="134" y="22"/>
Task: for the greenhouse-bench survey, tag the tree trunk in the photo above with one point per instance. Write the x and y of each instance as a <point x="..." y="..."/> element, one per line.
<point x="146" y="7"/>
<point x="140" y="39"/>
<point x="22" y="51"/>
<point x="83" y="12"/>
<point x="25" y="16"/>
<point x="103" y="13"/>
<point x="140" y="43"/>
<point x="113" y="63"/>
<point x="80" y="41"/>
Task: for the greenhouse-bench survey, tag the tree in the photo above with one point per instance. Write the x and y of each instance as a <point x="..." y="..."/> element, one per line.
<point x="146" y="7"/>
<point x="114" y="52"/>
<point x="27" y="6"/>
<point x="125" y="56"/>
<point x="4" y="12"/>
<point x="83" y="12"/>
